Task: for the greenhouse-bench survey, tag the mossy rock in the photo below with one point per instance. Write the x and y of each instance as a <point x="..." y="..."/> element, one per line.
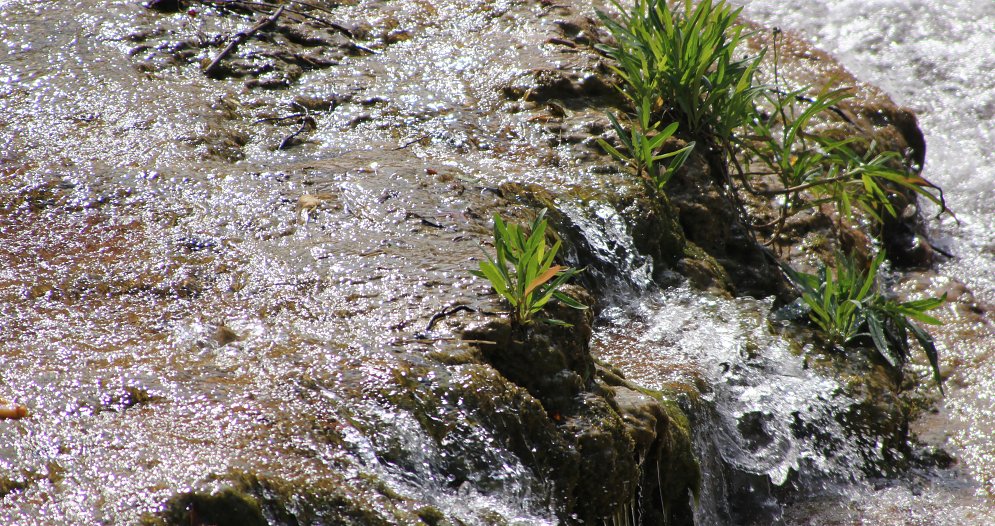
<point x="710" y="219"/>
<point x="703" y="271"/>
<point x="609" y="473"/>
<point x="552" y="362"/>
<point x="669" y="473"/>
<point x="621" y="441"/>
<point x="225" y="508"/>
<point x="246" y="499"/>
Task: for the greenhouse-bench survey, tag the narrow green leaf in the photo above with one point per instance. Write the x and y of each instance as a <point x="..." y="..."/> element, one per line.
<point x="876" y="327"/>
<point x="929" y="347"/>
<point x="568" y="301"/>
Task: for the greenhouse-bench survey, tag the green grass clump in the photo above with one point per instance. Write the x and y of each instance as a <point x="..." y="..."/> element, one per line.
<point x="815" y="169"/>
<point x="685" y="60"/>
<point x="678" y="62"/>
<point x="532" y="279"/>
<point x="847" y="306"/>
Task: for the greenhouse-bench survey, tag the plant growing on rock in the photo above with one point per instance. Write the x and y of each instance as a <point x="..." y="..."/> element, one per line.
<point x="685" y="60"/>
<point x="865" y="181"/>
<point x="639" y="63"/>
<point x="816" y="169"/>
<point x="782" y="145"/>
<point x="847" y="306"/>
<point x="522" y="271"/>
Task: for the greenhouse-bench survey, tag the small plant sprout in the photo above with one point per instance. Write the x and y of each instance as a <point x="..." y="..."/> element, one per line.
<point x="846" y="306"/>
<point x="522" y="271"/>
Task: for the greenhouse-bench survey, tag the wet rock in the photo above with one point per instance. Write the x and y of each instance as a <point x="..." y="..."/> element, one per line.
<point x="553" y="363"/>
<point x="594" y="444"/>
<point x="8" y="486"/>
<point x="303" y="36"/>
<point x="165" y="6"/>
<point x="609" y="473"/>
<point x="708" y="217"/>
<point x="624" y="439"/>
<point x="650" y="219"/>
<point x="703" y="271"/>
<point x="398" y="35"/>
<point x="245" y="499"/>
<point x="225" y="508"/>
<point x="669" y="473"/>
<point x="319" y="102"/>
<point x="542" y="85"/>
<point x="11" y="412"/>
<point x="875" y="418"/>
<point x="581" y="30"/>
<point x="225" y="335"/>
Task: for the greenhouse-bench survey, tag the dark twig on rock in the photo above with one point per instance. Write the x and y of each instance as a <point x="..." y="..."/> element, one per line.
<point x="448" y="311"/>
<point x="240" y="37"/>
<point x="306" y="122"/>
<point x="279" y="119"/>
<point x="451" y="339"/>
<point x="255" y="7"/>
<point x="413" y="141"/>
<point x="424" y="220"/>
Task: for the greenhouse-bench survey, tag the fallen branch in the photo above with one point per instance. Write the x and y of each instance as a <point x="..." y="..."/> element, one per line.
<point x="240" y="37"/>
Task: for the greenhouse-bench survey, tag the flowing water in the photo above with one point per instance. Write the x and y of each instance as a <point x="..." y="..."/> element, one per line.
<point x="935" y="58"/>
<point x="175" y="309"/>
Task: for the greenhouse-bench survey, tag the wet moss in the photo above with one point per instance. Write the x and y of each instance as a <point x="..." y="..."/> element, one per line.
<point x="552" y="362"/>
<point x="225" y="508"/>
<point x="656" y="231"/>
<point x="245" y="499"/>
<point x="629" y="445"/>
<point x="703" y="271"/>
<point x="669" y="472"/>
<point x="873" y="412"/>
<point x="432" y="516"/>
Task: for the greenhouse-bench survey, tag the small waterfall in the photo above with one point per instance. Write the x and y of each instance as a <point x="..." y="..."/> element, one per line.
<point x="605" y="240"/>
<point x="467" y="474"/>
<point x="765" y="422"/>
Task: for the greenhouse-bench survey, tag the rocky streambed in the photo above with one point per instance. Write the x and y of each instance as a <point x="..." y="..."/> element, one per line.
<point x="238" y="294"/>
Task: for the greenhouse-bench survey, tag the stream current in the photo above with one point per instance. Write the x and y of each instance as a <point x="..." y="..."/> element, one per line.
<point x="168" y="312"/>
<point x="935" y="58"/>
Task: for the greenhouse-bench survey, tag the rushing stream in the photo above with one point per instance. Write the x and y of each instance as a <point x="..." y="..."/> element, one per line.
<point x="184" y="304"/>
<point x="936" y="58"/>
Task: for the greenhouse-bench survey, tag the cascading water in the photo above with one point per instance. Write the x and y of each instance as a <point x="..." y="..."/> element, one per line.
<point x="169" y="318"/>
<point x="936" y="58"/>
